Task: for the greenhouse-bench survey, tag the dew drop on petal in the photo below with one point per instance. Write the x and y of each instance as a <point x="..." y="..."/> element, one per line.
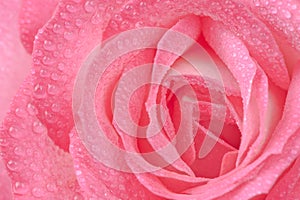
<point x="61" y="66"/>
<point x="287" y="14"/>
<point x="39" y="91"/>
<point x="54" y="76"/>
<point x="20" y="112"/>
<point x="19" y="150"/>
<point x="3" y="142"/>
<point x="71" y="8"/>
<point x="96" y="19"/>
<point x="68" y="53"/>
<point x="12" y="165"/>
<point x="78" y="197"/>
<point x="38" y="192"/>
<point x="15" y="132"/>
<point x="52" y="89"/>
<point x="20" y="188"/>
<point x="38" y="127"/>
<point x="50" y="117"/>
<point x="89" y="6"/>
<point x="55" y="107"/>
<point x="44" y="73"/>
<point x="48" y="45"/>
<point x="31" y="109"/>
<point x="51" y="187"/>
<point x="68" y="35"/>
<point x="47" y="60"/>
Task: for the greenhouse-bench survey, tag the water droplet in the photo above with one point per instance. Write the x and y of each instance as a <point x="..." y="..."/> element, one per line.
<point x="51" y="187"/>
<point x="96" y="19"/>
<point x="34" y="167"/>
<point x="20" y="112"/>
<point x="15" y="132"/>
<point x="139" y="24"/>
<point x="71" y="8"/>
<point x="78" y="197"/>
<point x="89" y="6"/>
<point x="44" y="73"/>
<point x="38" y="127"/>
<point x="48" y="45"/>
<point x="118" y="17"/>
<point x="143" y="4"/>
<point x="78" y="172"/>
<point x="63" y="15"/>
<point x="48" y="60"/>
<point x="39" y="91"/>
<point x="54" y="76"/>
<point x="31" y="109"/>
<point x="55" y="107"/>
<point x="3" y="142"/>
<point x="20" y="188"/>
<point x="38" y="192"/>
<point x="124" y="25"/>
<point x="68" y="35"/>
<point x="79" y="22"/>
<point x="286" y="14"/>
<point x="50" y="117"/>
<point x="52" y="89"/>
<point x="12" y="165"/>
<point x="19" y="150"/>
<point x="57" y="28"/>
<point x="294" y="6"/>
<point x="128" y="8"/>
<point x="38" y="52"/>
<point x="61" y="66"/>
<point x="273" y="10"/>
<point x="68" y="53"/>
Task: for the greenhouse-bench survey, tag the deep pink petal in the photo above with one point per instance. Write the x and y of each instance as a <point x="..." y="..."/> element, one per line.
<point x="5" y="183"/>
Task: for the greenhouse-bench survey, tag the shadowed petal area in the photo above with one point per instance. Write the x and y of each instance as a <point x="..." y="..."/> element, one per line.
<point x="14" y="61"/>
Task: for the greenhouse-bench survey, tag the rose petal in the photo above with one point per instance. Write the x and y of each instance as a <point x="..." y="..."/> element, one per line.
<point x="283" y="19"/>
<point x="283" y="149"/>
<point x="36" y="166"/>
<point x="14" y="60"/>
<point x="228" y="162"/>
<point x="34" y="14"/>
<point x="288" y="185"/>
<point x="238" y="60"/>
<point x="113" y="184"/>
<point x="55" y="68"/>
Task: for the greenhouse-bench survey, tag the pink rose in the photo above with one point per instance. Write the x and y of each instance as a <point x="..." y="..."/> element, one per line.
<point x="150" y="99"/>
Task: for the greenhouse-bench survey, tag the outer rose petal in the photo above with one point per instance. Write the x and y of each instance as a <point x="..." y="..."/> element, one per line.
<point x="34" y="14"/>
<point x="14" y="61"/>
<point x="101" y="182"/>
<point x="70" y="35"/>
<point x="37" y="167"/>
<point x="283" y="18"/>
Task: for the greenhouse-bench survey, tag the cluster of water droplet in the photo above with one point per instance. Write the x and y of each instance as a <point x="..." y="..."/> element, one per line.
<point x="281" y="15"/>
